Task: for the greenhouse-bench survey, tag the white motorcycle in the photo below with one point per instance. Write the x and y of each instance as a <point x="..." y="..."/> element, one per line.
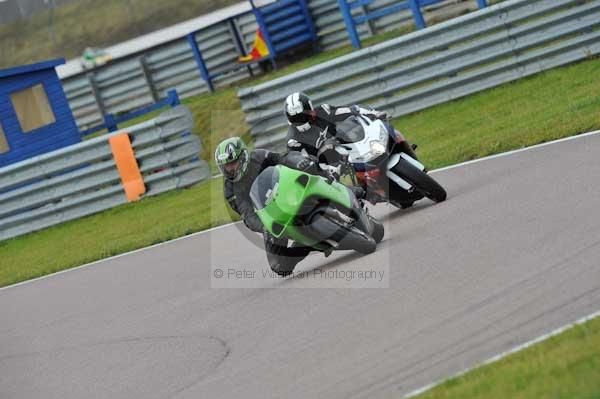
<point x="384" y="163"/>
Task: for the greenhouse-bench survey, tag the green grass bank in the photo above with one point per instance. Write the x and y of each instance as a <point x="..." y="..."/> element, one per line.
<point x="551" y="105"/>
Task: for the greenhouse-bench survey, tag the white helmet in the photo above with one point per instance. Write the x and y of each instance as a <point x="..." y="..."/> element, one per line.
<point x="299" y="111"/>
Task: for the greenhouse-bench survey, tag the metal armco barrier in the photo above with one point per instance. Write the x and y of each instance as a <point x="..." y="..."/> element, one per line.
<point x="83" y="179"/>
<point x="143" y="78"/>
<point x="414" y="6"/>
<point x="502" y="43"/>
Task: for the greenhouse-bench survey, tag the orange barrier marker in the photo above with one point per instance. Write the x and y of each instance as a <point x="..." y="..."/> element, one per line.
<point x="131" y="177"/>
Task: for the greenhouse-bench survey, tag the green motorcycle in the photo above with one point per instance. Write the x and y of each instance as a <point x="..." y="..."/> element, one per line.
<point x="313" y="211"/>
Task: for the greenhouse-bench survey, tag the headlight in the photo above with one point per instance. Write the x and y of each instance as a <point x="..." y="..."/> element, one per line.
<point x="377" y="148"/>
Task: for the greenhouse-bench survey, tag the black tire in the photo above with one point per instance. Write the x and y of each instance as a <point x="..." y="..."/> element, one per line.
<point x="378" y="230"/>
<point x="349" y="238"/>
<point x="421" y="180"/>
<point x="283" y="271"/>
<point x="400" y="204"/>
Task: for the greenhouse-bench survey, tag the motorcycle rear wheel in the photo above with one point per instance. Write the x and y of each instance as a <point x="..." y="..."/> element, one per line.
<point x="378" y="230"/>
<point x="348" y="238"/>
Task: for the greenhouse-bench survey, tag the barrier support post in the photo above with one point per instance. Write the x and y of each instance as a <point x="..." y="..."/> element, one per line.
<point x="415" y="7"/>
<point x="239" y="44"/>
<point x="173" y="98"/>
<point x="309" y="20"/>
<point x="110" y="121"/>
<point x="349" y="21"/>
<point x="191" y="38"/>
<point x="265" y="31"/>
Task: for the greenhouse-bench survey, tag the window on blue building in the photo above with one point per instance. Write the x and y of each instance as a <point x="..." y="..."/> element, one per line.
<point x="33" y="108"/>
<point x="3" y="143"/>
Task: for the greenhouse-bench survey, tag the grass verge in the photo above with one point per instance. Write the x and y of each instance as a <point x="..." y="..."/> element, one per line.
<point x="545" y="107"/>
<point x="118" y="230"/>
<point x="554" y="104"/>
<point x="564" y="366"/>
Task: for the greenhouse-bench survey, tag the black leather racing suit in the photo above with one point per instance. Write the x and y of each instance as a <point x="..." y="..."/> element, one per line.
<point x="282" y="258"/>
<point x="323" y="127"/>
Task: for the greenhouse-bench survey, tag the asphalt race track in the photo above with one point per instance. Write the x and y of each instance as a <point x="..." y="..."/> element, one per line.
<point x="513" y="253"/>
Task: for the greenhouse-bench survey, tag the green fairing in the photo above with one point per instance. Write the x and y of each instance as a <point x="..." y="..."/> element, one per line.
<point x="289" y="197"/>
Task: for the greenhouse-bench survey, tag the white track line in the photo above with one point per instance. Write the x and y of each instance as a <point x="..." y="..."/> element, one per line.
<point x="507" y="353"/>
<point x="229" y="224"/>
<point x="117" y="256"/>
<point x="503" y="154"/>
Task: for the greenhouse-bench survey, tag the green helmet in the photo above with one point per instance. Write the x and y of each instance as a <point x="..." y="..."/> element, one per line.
<point x="232" y="158"/>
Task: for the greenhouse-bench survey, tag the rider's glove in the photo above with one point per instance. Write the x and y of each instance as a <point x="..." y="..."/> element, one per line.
<point x="381" y="115"/>
<point x="371" y="114"/>
<point x="331" y="172"/>
<point x="355" y="110"/>
<point x="330" y="177"/>
<point x="304" y="164"/>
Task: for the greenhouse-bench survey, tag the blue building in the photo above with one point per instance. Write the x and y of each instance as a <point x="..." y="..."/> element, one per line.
<point x="35" y="116"/>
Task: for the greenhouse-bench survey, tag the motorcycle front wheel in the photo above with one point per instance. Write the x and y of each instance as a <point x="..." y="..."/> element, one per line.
<point x="423" y="183"/>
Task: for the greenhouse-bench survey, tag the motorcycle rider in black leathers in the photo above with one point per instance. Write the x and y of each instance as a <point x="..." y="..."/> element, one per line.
<point x="311" y="127"/>
<point x="312" y="130"/>
<point x="240" y="168"/>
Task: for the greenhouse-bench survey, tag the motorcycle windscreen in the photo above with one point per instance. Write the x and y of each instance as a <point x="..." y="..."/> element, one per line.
<point x="350" y="130"/>
<point x="264" y="187"/>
